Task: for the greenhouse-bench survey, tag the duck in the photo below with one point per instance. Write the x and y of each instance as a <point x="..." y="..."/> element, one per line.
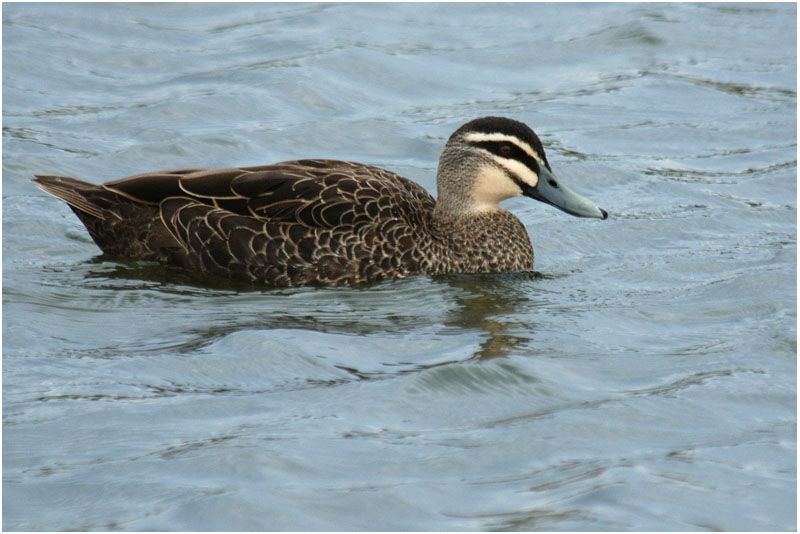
<point x="324" y="222"/>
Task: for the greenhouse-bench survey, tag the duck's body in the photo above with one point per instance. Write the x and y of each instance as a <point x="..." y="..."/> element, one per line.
<point x="328" y="222"/>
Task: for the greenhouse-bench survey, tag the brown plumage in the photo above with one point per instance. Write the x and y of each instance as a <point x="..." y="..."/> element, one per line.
<point x="325" y="222"/>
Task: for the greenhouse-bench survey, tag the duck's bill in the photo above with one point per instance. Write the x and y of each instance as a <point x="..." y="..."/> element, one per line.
<point x="550" y="190"/>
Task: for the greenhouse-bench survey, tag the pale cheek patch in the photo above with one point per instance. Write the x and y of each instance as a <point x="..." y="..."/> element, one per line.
<point x="520" y="170"/>
<point x="491" y="187"/>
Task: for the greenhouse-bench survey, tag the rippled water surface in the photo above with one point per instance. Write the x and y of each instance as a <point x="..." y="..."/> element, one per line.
<point x="644" y="377"/>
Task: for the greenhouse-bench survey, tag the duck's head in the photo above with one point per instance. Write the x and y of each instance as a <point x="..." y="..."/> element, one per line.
<point x="490" y="159"/>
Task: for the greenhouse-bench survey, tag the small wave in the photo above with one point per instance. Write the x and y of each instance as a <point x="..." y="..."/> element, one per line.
<point x="481" y="378"/>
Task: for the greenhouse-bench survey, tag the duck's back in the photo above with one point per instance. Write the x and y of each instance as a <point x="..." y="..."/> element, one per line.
<point x="292" y="223"/>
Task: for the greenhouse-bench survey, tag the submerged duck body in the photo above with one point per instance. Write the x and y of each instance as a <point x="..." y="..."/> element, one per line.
<point x="328" y="222"/>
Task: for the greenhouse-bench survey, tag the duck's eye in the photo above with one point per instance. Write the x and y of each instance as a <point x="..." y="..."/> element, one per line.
<point x="505" y="150"/>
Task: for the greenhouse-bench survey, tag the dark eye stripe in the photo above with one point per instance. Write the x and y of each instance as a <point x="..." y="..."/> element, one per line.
<point x="516" y="153"/>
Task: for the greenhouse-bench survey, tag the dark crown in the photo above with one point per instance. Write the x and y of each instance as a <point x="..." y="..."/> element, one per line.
<point x="503" y="125"/>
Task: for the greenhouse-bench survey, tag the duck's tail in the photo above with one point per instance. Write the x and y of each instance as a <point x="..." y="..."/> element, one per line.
<point x="119" y="225"/>
<point x="80" y="195"/>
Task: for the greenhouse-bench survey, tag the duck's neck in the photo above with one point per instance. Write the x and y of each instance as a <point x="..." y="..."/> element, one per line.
<point x="466" y="207"/>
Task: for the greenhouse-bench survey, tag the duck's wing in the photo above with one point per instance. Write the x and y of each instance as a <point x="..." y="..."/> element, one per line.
<point x="291" y="223"/>
<point x="313" y="193"/>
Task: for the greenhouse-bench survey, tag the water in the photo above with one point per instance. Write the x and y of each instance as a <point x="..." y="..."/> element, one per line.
<point x="644" y="378"/>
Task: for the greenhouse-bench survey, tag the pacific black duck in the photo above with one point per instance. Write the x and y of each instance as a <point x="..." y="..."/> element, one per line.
<point x="327" y="222"/>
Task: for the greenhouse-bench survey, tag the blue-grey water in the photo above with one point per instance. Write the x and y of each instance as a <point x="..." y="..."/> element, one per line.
<point x="643" y="378"/>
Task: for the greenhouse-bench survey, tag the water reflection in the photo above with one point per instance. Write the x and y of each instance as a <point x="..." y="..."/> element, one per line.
<point x="493" y="306"/>
<point x="490" y="303"/>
